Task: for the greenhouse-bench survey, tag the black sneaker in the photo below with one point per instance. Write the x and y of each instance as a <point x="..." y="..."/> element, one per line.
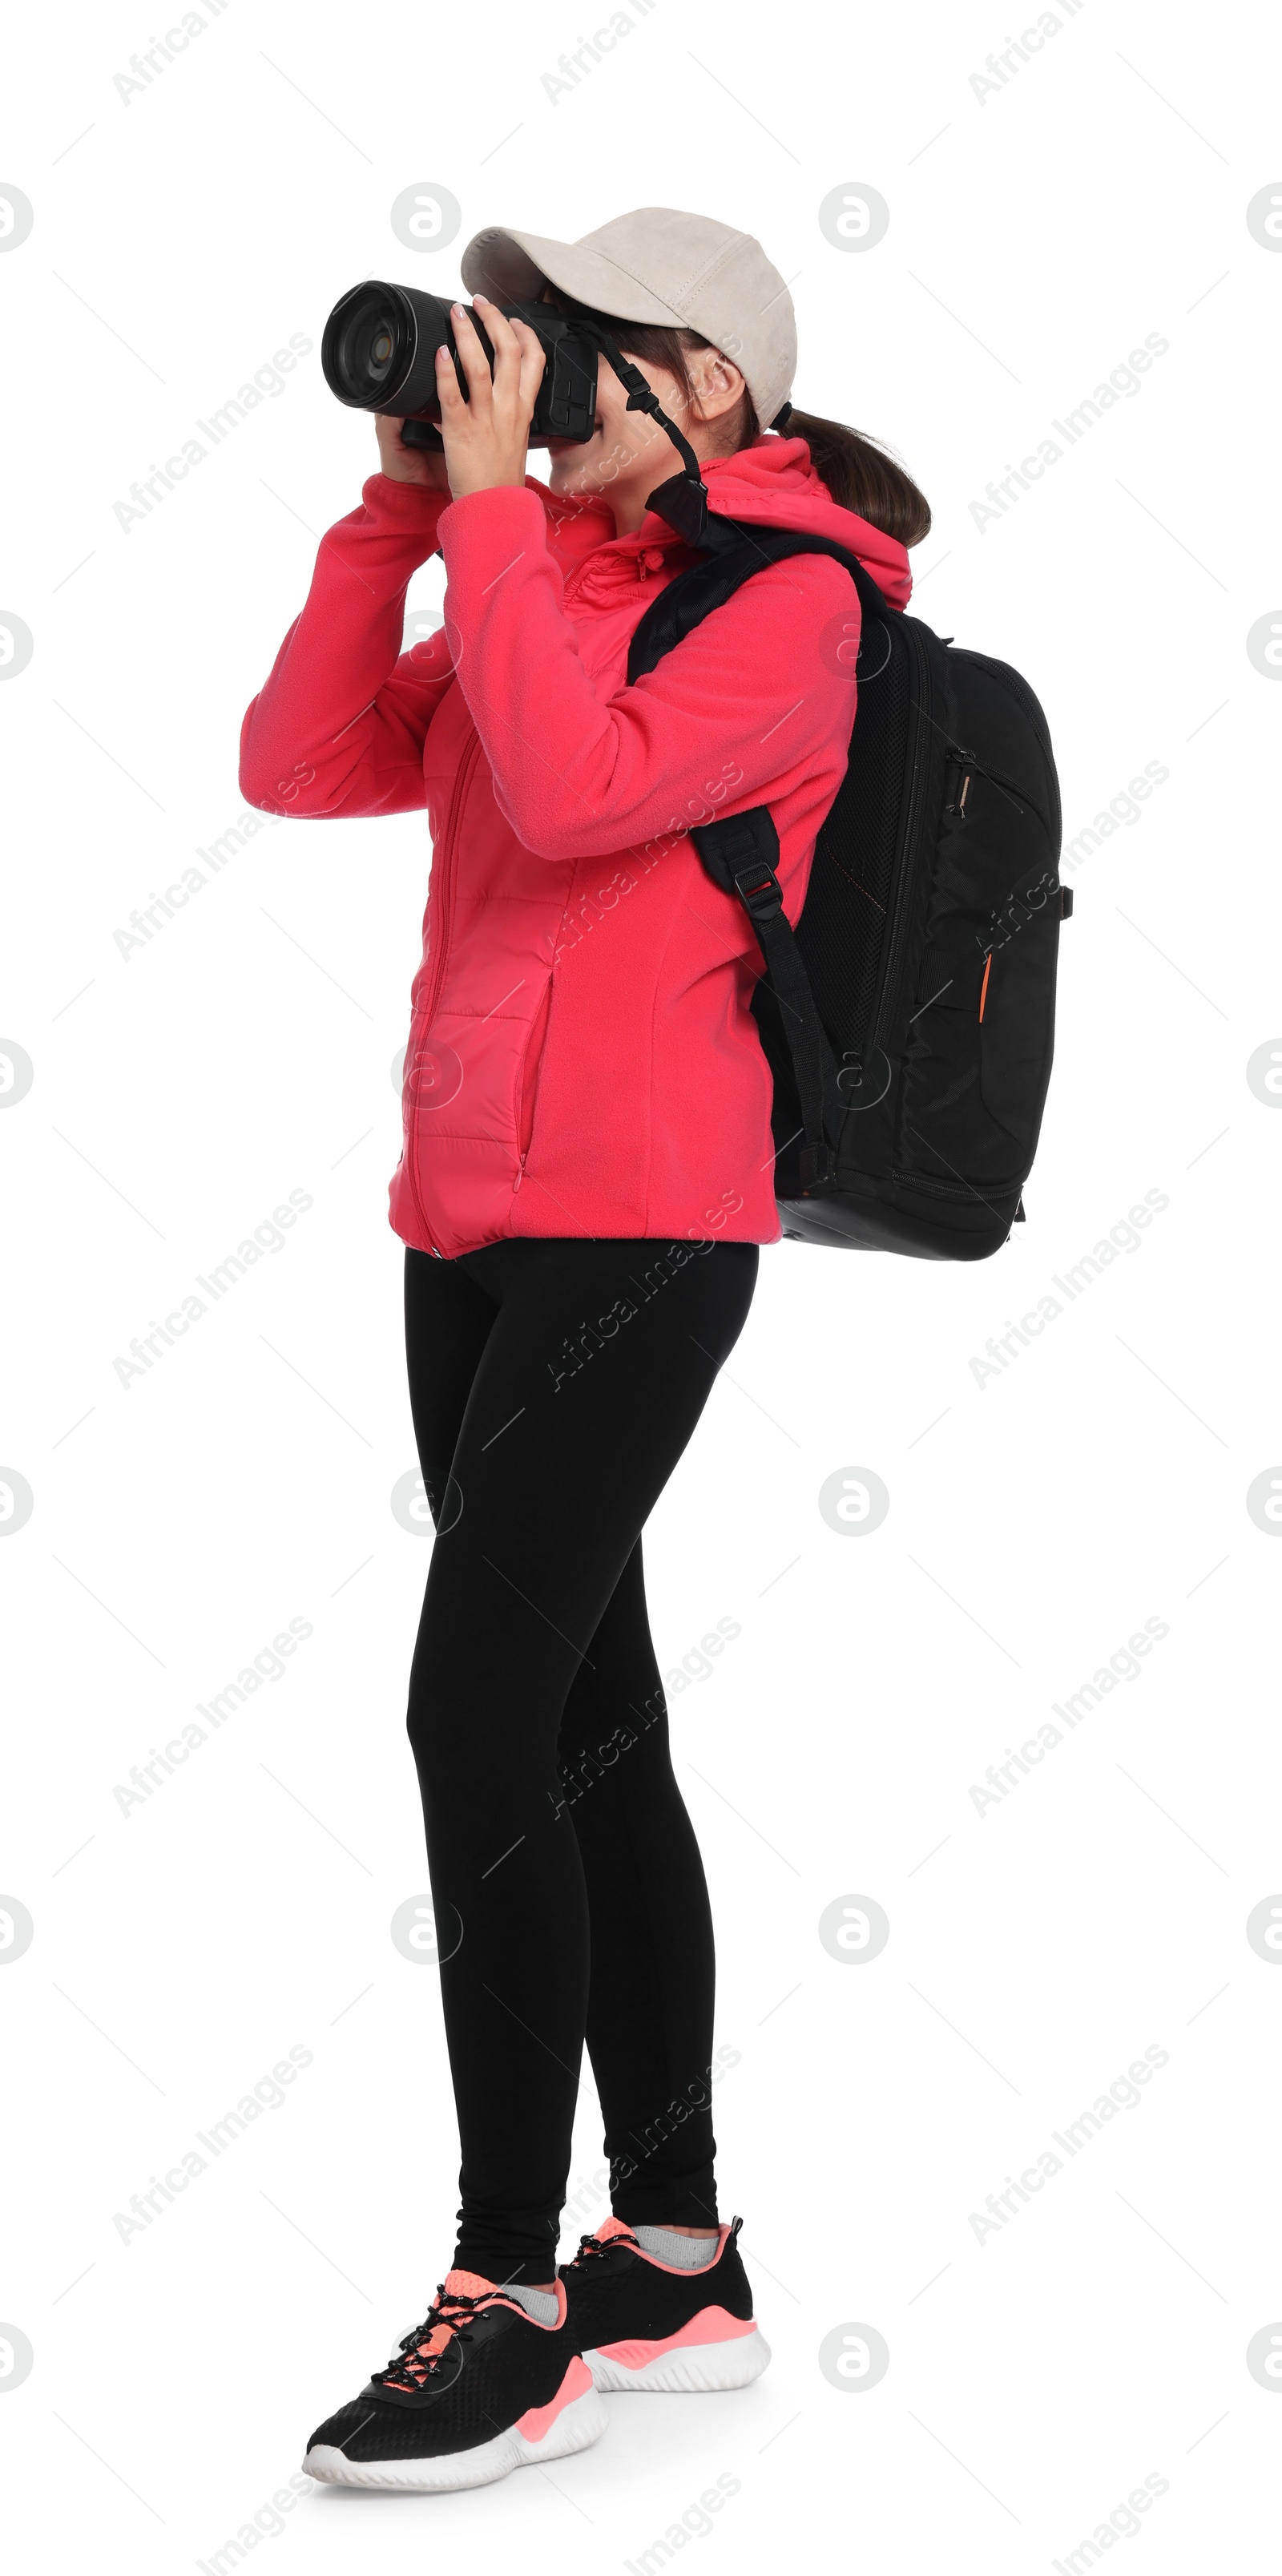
<point x="476" y="2390"/>
<point x="640" y="2323"/>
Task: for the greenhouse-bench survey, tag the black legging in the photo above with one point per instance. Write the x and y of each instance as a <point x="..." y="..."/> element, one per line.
<point x="554" y="1385"/>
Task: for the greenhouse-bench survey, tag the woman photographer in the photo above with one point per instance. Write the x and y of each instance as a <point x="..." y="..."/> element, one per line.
<point x="585" y="1182"/>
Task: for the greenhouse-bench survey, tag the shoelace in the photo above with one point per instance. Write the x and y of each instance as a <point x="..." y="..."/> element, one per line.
<point x="590" y="2245"/>
<point x="448" y="2314"/>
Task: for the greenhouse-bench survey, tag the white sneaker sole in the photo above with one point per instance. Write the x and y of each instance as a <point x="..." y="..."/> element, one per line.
<point x="691" y="2366"/>
<point x="577" y="2426"/>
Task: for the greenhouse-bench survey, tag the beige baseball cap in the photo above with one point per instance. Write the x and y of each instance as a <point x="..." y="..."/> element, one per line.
<point x="658" y="265"/>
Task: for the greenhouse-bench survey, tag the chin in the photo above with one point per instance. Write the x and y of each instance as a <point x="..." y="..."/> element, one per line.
<point x="572" y="472"/>
<point x="580" y="450"/>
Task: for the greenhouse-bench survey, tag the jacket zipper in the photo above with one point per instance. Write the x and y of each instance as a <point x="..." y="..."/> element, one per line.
<point x="440" y="925"/>
<point x="462" y="777"/>
<point x="448" y="840"/>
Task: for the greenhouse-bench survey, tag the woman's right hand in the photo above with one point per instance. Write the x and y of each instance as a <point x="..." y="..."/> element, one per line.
<point x="403" y="464"/>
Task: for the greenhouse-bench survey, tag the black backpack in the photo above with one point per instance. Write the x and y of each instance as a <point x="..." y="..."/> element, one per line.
<point x="909" y="1021"/>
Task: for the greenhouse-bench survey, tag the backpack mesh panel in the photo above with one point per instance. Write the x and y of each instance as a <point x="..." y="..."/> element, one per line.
<point x="844" y="920"/>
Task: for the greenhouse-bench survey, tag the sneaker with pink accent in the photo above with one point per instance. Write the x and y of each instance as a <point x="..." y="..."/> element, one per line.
<point x="479" y="2388"/>
<point x="641" y="2323"/>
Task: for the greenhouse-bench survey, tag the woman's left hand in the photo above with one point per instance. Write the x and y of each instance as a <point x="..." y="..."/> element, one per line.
<point x="485" y="437"/>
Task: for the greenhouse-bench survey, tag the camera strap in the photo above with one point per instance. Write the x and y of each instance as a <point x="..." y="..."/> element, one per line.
<point x="683" y="501"/>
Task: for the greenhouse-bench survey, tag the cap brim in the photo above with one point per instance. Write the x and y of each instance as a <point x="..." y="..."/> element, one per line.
<point x="504" y="264"/>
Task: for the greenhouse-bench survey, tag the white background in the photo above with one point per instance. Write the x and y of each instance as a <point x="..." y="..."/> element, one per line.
<point x="1036" y="1949"/>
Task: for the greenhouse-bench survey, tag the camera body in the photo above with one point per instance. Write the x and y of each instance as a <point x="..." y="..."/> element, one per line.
<point x="378" y="354"/>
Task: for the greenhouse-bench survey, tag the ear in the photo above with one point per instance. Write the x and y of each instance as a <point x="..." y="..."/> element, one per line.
<point x="718" y="384"/>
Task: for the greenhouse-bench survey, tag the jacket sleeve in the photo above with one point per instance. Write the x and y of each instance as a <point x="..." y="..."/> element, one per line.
<point x="749" y="700"/>
<point x="339" y="726"/>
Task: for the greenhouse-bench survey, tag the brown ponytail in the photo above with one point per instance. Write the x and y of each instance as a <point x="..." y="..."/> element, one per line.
<point x="861" y="476"/>
<point x="858" y="472"/>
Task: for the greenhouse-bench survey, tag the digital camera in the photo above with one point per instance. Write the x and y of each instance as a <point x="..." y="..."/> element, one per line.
<point x="379" y="349"/>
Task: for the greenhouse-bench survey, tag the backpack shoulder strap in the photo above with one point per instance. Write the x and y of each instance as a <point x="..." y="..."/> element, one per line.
<point x="740" y="851"/>
<point x="736" y="552"/>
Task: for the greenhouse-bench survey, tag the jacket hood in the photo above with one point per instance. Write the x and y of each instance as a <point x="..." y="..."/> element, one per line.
<point x="772" y="485"/>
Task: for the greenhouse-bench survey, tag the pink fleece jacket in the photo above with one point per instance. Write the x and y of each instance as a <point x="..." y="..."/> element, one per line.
<point x="582" y="1056"/>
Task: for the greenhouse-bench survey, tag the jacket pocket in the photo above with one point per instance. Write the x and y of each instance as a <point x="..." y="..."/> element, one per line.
<point x="528" y="1069"/>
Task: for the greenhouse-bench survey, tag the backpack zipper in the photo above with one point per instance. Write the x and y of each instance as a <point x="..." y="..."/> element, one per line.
<point x="897" y="928"/>
<point x="954" y="1189"/>
<point x="973" y="768"/>
<point x="957" y="804"/>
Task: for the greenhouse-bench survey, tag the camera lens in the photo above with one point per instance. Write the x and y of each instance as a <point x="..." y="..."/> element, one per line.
<point x="378" y="348"/>
<point x="367" y="347"/>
